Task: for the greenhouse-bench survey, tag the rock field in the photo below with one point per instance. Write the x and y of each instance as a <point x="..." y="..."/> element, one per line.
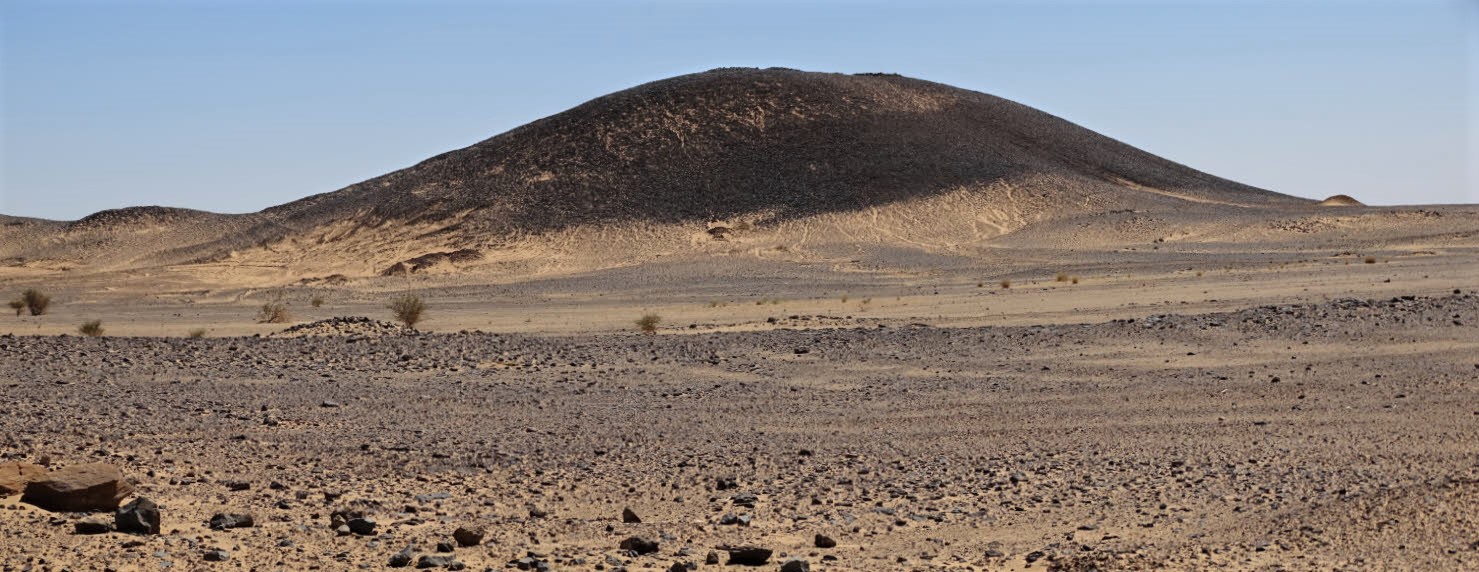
<point x="1341" y="435"/>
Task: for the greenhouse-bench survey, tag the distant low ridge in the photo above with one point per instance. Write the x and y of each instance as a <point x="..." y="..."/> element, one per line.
<point x="761" y="146"/>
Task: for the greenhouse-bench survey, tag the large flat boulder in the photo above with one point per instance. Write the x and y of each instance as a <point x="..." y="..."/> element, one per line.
<point x="14" y="475"/>
<point x="79" y="488"/>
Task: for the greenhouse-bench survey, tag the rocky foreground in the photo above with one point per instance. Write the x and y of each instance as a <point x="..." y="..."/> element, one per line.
<point x="1341" y="435"/>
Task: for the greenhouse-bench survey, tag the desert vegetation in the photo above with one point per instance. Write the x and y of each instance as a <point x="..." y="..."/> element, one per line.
<point x="91" y="328"/>
<point x="274" y="313"/>
<point x="36" y="301"/>
<point x="196" y="333"/>
<point x="407" y="309"/>
<point x="1005" y="284"/>
<point x="648" y="323"/>
<point x="316" y="302"/>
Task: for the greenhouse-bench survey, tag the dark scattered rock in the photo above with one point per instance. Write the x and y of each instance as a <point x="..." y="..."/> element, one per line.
<point x="824" y="541"/>
<point x="92" y="526"/>
<point x="363" y="526"/>
<point x="78" y="488"/>
<point x="401" y="559"/>
<point x="342" y="517"/>
<point x="217" y="555"/>
<point x="329" y="403"/>
<point x="236" y="486"/>
<point x="748" y="555"/>
<point x="469" y="535"/>
<point x="630" y="517"/>
<point x="726" y="483"/>
<point x="747" y="500"/>
<point x="225" y="521"/>
<point x="712" y="558"/>
<point x="444" y="547"/>
<point x="429" y="561"/>
<point x="639" y="545"/>
<point x="794" y="565"/>
<point x="140" y="516"/>
<point x="532" y="563"/>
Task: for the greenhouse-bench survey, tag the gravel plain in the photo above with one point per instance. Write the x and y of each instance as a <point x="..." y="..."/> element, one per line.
<point x="1334" y="435"/>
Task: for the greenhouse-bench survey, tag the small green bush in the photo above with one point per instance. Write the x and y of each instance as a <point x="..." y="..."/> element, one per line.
<point x="407" y="309"/>
<point x="91" y="328"/>
<point x="648" y="323"/>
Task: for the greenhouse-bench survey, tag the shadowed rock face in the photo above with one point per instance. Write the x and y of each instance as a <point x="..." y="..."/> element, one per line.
<point x="79" y="488"/>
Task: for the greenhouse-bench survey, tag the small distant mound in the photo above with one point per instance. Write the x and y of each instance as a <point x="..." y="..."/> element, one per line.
<point x="134" y="217"/>
<point x="346" y="326"/>
<point x="1341" y="201"/>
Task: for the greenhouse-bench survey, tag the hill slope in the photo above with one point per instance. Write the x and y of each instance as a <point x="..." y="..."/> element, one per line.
<point x="769" y="147"/>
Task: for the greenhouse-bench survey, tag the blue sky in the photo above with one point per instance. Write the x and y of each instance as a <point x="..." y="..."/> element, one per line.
<point x="234" y="106"/>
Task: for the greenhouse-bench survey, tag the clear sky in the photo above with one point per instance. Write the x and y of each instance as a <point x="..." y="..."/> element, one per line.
<point x="234" y="106"/>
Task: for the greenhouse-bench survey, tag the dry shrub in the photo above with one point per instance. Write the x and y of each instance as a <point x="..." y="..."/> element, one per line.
<point x="1073" y="280"/>
<point x="274" y="313"/>
<point x="197" y="333"/>
<point x="1006" y="284"/>
<point x="648" y="323"/>
<point x="18" y="305"/>
<point x="1370" y="260"/>
<point x="316" y="302"/>
<point x="1061" y="277"/>
<point x="91" y="328"/>
<point x="36" y="301"/>
<point x="407" y="309"/>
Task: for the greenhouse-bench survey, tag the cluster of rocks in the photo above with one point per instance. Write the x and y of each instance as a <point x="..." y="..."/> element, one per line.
<point x="83" y="488"/>
<point x="346" y="326"/>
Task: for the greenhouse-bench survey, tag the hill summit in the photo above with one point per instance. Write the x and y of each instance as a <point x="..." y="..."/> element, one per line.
<point x="769" y="146"/>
